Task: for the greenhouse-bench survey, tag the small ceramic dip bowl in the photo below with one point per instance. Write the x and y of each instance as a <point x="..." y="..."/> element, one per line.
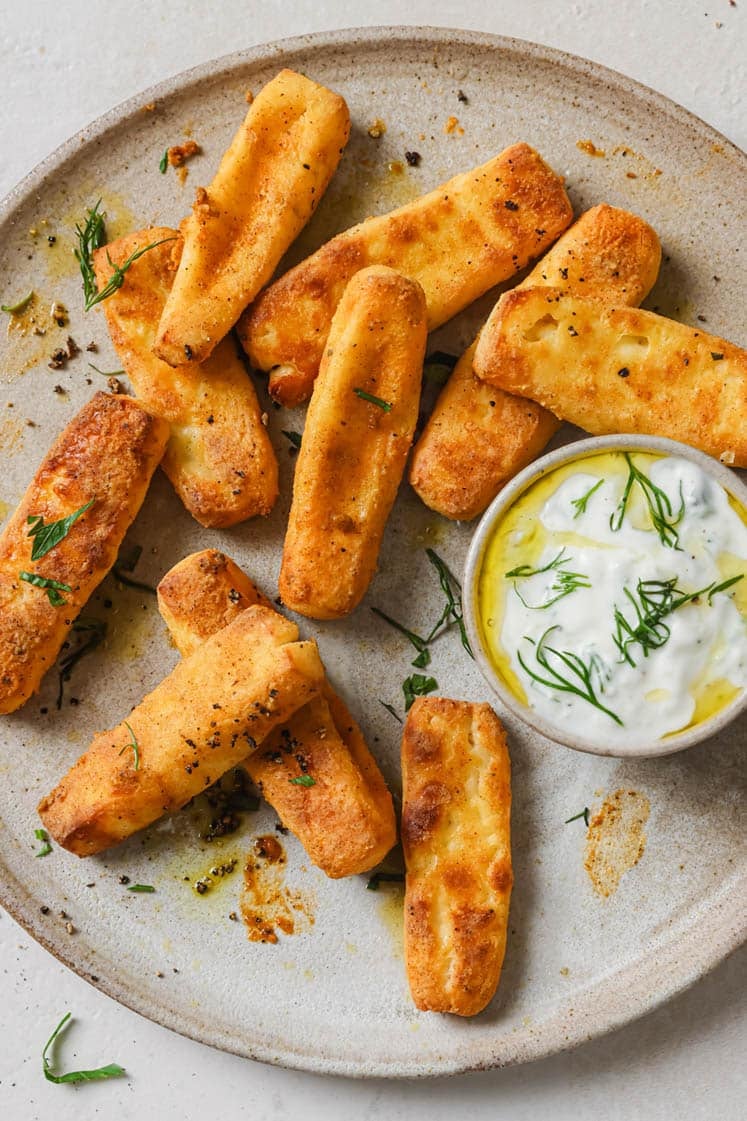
<point x="605" y="596"/>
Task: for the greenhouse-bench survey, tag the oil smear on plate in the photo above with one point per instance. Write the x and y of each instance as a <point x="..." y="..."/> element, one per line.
<point x="616" y="839"/>
<point x="268" y="904"/>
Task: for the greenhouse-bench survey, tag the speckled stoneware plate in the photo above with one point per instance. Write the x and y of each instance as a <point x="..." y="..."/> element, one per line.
<point x="332" y="996"/>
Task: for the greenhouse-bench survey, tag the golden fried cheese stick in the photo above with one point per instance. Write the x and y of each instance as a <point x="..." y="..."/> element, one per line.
<point x="203" y="593"/>
<point x="209" y="713"/>
<point x="105" y="456"/>
<point x="267" y="187"/>
<point x="345" y="821"/>
<point x="620" y="370"/>
<point x="359" y="428"/>
<point x="219" y="457"/>
<point x="478" y="437"/>
<point x="456" y="836"/>
<point x="471" y="233"/>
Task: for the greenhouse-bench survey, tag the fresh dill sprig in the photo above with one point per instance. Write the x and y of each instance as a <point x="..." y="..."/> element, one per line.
<point x="116" y="280"/>
<point x="565" y="580"/>
<point x="95" y="633"/>
<point x="452" y="612"/>
<point x="579" y="683"/>
<point x="653" y="601"/>
<point x="91" y="236"/>
<point x="112" y="1070"/>
<point x="420" y="644"/>
<point x="163" y="163"/>
<point x="134" y="745"/>
<point x="142" y="889"/>
<point x="659" y="505"/>
<point x="581" y="503"/>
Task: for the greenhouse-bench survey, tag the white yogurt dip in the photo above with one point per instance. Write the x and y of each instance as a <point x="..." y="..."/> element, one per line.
<point x="587" y="597"/>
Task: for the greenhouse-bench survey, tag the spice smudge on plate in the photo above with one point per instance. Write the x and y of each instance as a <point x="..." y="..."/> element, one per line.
<point x="612" y="597"/>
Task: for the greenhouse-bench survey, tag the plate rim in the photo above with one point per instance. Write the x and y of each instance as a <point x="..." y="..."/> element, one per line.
<point x="684" y="957"/>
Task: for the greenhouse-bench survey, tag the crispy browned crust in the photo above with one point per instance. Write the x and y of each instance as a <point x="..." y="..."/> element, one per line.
<point x="212" y="710"/>
<point x="203" y="593"/>
<point x="219" y="457"/>
<point x="622" y="370"/>
<point x="353" y="451"/>
<point x="268" y="185"/>
<point x="109" y="452"/>
<point x="345" y="821"/>
<point x="478" y="437"/>
<point x="456" y="836"/>
<point x="471" y="233"/>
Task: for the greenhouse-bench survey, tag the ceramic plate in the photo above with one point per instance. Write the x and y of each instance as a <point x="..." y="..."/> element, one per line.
<point x="332" y="997"/>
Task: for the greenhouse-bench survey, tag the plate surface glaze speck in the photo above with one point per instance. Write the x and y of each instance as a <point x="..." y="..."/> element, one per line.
<point x="333" y="997"/>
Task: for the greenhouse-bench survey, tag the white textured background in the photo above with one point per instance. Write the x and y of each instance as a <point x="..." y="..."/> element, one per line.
<point x="63" y="64"/>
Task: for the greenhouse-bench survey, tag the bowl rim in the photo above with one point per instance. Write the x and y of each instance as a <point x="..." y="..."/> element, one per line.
<point x="518" y="485"/>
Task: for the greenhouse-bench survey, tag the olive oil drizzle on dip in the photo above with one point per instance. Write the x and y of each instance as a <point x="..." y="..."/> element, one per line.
<point x="612" y="597"/>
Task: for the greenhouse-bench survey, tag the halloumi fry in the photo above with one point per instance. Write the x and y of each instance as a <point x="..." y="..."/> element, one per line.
<point x="473" y="232"/>
<point x="219" y="457"/>
<point x="268" y="185"/>
<point x="345" y="821"/>
<point x="359" y="428"/>
<point x="456" y="836"/>
<point x="478" y="437"/>
<point x="106" y="455"/>
<point x="203" y="593"/>
<point x="209" y="713"/>
<point x="621" y="370"/>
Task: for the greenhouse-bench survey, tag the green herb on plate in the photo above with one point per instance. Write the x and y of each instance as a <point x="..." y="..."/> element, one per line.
<point x="112" y="1070"/>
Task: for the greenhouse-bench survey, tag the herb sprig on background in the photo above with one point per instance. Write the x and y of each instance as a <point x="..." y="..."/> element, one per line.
<point x="19" y="305"/>
<point x="420" y="644"/>
<point x="417" y="685"/>
<point x="112" y="1070"/>
<point x="92" y="236"/>
<point x="451" y="615"/>
<point x="584" y="814"/>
